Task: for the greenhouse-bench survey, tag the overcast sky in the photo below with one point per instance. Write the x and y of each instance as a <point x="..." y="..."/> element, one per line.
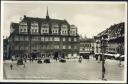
<point x="90" y="18"/>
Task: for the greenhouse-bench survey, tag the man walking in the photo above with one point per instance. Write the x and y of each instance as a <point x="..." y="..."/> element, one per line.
<point x="11" y="66"/>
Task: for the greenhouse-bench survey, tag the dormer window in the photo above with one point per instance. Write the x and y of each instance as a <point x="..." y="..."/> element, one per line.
<point x="55" y="28"/>
<point x="44" y="28"/>
<point x="64" y="29"/>
<point x="23" y="28"/>
<point x="34" y="28"/>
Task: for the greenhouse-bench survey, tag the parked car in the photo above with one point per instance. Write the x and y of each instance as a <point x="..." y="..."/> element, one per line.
<point x="85" y="55"/>
<point x="120" y="58"/>
<point x="20" y="62"/>
<point x="47" y="60"/>
<point x="62" y="60"/>
<point x="111" y="56"/>
<point x="39" y="61"/>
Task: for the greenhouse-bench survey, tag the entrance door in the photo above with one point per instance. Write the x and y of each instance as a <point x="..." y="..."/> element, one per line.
<point x="56" y="55"/>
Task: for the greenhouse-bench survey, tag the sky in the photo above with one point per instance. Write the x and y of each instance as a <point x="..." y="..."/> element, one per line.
<point x="90" y="18"/>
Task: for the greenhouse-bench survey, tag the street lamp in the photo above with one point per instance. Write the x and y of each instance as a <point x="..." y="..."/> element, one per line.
<point x="103" y="50"/>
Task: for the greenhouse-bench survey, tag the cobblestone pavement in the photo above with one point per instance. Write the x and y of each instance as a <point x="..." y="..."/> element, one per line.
<point x="71" y="70"/>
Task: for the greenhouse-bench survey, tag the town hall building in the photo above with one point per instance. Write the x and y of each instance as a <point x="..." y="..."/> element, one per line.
<point x="44" y="37"/>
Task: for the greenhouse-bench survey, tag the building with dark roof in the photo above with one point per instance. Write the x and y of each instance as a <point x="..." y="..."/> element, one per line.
<point x="34" y="36"/>
<point x="115" y="39"/>
<point x="86" y="46"/>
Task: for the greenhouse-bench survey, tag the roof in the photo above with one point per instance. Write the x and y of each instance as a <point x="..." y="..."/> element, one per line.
<point x="113" y="29"/>
<point x="39" y="20"/>
<point x="15" y="25"/>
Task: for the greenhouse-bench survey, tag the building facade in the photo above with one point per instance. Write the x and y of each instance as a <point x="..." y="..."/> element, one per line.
<point x="44" y="37"/>
<point x="86" y="46"/>
<point x="115" y="39"/>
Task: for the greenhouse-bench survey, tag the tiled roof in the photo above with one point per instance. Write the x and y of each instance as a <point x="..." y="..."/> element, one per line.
<point x="36" y="19"/>
<point x="113" y="29"/>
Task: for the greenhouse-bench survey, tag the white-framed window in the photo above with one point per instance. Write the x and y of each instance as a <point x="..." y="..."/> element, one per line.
<point x="34" y="28"/>
<point x="23" y="27"/>
<point x="51" y="39"/>
<point x="69" y="39"/>
<point x="64" y="39"/>
<point x="56" y="39"/>
<point x="75" y="39"/>
<point x="64" y="47"/>
<point x="44" y="30"/>
<point x="42" y="38"/>
<point x="56" y="46"/>
<point x="69" y="47"/>
<point x="55" y="30"/>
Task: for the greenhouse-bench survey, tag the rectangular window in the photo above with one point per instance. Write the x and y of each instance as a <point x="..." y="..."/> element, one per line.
<point x="46" y="38"/>
<point x="56" y="39"/>
<point x="56" y="46"/>
<point x="26" y="38"/>
<point x="75" y="39"/>
<point x="51" y="39"/>
<point x="63" y="39"/>
<point x="69" y="47"/>
<point x="69" y="39"/>
<point x="64" y="47"/>
<point x="42" y="38"/>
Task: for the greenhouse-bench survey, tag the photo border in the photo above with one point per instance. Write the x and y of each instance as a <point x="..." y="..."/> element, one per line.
<point x="65" y="81"/>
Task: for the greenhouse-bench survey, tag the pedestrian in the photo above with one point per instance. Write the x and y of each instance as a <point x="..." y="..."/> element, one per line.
<point x="56" y="58"/>
<point x="100" y="57"/>
<point x="80" y="59"/>
<point x="11" y="66"/>
<point x="119" y="61"/>
<point x="96" y="57"/>
<point x="25" y="60"/>
<point x="104" y="70"/>
<point x="24" y="65"/>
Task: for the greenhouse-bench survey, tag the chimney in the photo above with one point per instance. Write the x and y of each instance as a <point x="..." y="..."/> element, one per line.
<point x="24" y="16"/>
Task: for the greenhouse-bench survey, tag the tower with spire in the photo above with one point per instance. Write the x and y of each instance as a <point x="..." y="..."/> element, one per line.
<point x="47" y="15"/>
